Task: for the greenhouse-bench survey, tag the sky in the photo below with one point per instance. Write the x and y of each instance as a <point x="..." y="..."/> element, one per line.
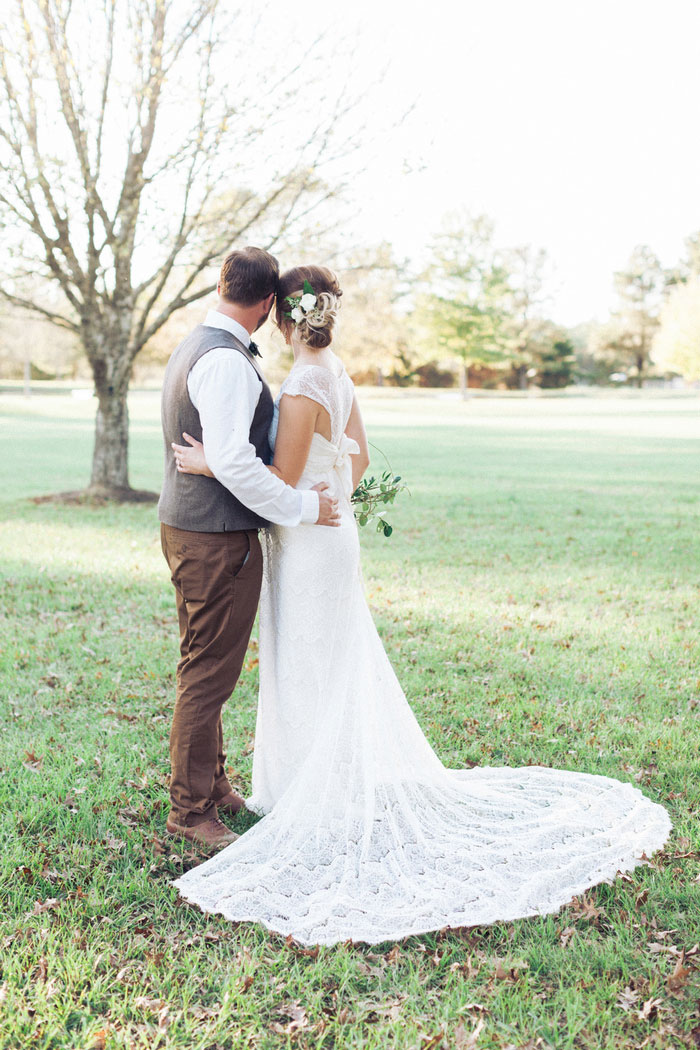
<point x="574" y="126"/>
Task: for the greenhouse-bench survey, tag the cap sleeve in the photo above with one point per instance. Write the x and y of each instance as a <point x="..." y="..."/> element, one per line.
<point x="314" y="382"/>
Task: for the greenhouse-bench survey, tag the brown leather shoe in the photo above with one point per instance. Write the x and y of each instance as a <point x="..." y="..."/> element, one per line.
<point x="231" y="804"/>
<point x="210" y="833"/>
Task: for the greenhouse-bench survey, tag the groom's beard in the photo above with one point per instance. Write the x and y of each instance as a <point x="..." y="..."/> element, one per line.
<point x="262" y="320"/>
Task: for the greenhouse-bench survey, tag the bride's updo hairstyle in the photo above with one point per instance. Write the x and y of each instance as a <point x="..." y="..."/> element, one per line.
<point x="314" y="329"/>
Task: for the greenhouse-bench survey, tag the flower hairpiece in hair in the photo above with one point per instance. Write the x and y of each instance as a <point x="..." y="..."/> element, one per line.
<point x="303" y="307"/>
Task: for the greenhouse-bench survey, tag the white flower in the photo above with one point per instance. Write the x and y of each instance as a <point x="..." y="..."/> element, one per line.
<point x="307" y="302"/>
<point x="297" y="315"/>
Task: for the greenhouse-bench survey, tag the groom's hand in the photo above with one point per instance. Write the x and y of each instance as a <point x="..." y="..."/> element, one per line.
<point x="328" y="513"/>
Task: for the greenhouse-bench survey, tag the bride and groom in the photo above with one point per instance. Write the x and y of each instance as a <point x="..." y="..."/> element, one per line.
<point x="365" y="834"/>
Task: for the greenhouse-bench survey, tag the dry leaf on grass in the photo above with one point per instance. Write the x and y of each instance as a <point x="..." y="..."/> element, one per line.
<point x="42" y="906"/>
<point x="509" y="972"/>
<point x="33" y="762"/>
<point x="566" y="935"/>
<point x="676" y="981"/>
<point x="649" y="1007"/>
<point x="464" y="1040"/>
<point x="627" y="999"/>
<point x="298" y="1019"/>
<point x="584" y="908"/>
<point x="311" y="953"/>
<point x="145" y="1003"/>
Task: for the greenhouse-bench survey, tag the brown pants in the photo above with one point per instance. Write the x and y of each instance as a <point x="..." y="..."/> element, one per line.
<point x="217" y="578"/>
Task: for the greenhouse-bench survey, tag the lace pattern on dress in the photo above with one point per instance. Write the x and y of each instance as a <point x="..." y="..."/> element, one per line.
<point x="332" y="392"/>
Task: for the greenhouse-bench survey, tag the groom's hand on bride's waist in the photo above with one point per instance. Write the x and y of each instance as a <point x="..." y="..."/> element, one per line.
<point x="328" y="513"/>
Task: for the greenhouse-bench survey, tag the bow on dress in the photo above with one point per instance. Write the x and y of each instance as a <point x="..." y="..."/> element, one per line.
<point x="346" y="448"/>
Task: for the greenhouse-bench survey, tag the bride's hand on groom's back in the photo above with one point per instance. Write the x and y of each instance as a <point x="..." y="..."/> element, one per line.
<point x="328" y="513"/>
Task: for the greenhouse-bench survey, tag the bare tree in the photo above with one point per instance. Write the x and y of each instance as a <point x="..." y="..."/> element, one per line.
<point x="127" y="158"/>
<point x="526" y="277"/>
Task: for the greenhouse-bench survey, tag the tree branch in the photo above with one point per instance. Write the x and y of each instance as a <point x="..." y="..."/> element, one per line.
<point x="29" y="305"/>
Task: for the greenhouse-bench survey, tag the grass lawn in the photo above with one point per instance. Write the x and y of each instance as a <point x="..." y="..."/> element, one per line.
<point x="539" y="602"/>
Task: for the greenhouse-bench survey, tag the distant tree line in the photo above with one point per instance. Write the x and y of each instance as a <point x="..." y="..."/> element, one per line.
<point x="474" y="317"/>
<point x="477" y="316"/>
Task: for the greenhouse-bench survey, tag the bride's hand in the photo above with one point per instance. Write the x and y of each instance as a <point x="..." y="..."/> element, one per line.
<point x="189" y="459"/>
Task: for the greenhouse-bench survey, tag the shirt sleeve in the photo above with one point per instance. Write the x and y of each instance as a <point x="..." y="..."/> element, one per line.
<point x="225" y="391"/>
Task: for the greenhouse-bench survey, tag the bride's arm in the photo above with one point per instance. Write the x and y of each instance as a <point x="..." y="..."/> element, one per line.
<point x="356" y="430"/>
<point x="297" y="422"/>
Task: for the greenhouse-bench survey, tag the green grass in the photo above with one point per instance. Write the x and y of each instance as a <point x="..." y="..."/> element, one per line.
<point x="539" y="602"/>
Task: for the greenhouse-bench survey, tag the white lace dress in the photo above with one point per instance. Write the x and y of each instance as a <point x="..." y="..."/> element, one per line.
<point x="366" y="835"/>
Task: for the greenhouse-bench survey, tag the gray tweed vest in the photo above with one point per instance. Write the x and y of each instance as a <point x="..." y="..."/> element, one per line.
<point x="192" y="501"/>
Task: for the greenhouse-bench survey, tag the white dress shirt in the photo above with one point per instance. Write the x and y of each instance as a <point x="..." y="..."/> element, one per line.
<point x="225" y="390"/>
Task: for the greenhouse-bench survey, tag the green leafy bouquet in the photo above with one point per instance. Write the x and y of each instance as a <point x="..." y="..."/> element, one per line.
<point x="374" y="493"/>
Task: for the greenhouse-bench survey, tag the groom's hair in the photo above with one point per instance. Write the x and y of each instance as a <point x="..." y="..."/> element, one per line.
<point x="248" y="275"/>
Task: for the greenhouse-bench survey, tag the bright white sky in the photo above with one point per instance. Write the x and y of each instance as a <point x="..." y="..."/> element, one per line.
<point x="574" y="125"/>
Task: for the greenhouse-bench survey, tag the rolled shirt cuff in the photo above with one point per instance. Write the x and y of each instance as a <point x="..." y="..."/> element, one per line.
<point x="309" y="507"/>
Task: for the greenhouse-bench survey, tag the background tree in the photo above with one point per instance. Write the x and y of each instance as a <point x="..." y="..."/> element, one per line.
<point x="466" y="302"/>
<point x="373" y="329"/>
<point x="689" y="266"/>
<point x="556" y="364"/>
<point x="526" y="327"/>
<point x="630" y="334"/>
<point x="677" y="340"/>
<point x="127" y="161"/>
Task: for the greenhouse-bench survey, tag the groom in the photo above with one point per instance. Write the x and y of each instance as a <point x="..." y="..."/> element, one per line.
<point x="214" y="390"/>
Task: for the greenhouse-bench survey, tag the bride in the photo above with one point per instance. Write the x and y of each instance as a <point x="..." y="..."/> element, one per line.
<point x="365" y="834"/>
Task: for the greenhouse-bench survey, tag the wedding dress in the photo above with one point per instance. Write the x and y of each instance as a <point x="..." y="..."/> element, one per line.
<point x="365" y="834"/>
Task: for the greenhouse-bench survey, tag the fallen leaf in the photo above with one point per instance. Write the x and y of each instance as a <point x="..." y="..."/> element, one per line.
<point x="648" y="1008"/>
<point x="202" y="1013"/>
<point x="464" y="1040"/>
<point x="32" y="762"/>
<point x="144" y="1003"/>
<point x="584" y="908"/>
<point x="510" y="974"/>
<point x="566" y="935"/>
<point x="627" y="999"/>
<point x="679" y="978"/>
<point x="114" y="843"/>
<point x="298" y="1019"/>
<point x="48" y="905"/>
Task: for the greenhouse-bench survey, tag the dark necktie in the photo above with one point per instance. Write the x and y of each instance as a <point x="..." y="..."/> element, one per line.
<point x="254" y="349"/>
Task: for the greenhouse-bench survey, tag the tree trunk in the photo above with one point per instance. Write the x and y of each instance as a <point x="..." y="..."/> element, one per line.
<point x="110" y="464"/>
<point x="640" y="372"/>
<point x="464" y="380"/>
<point x="111" y="358"/>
